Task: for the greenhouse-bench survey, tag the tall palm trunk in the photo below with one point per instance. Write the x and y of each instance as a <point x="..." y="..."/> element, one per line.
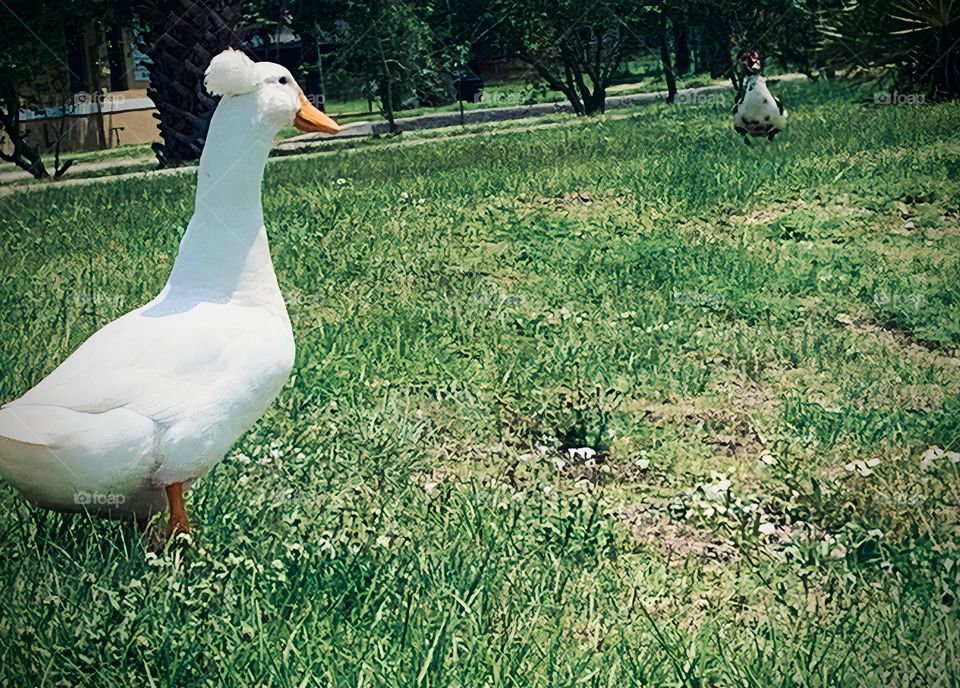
<point x="180" y="39"/>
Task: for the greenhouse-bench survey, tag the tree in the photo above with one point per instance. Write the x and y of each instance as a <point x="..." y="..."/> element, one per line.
<point x="316" y="22"/>
<point x="180" y="38"/>
<point x="722" y="29"/>
<point x="389" y="45"/>
<point x="34" y="73"/>
<point x="575" y="46"/>
<point x="916" y="43"/>
<point x="663" y="32"/>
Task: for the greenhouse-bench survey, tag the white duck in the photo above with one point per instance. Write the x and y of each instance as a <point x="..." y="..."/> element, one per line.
<point x="756" y="112"/>
<point x="153" y="400"/>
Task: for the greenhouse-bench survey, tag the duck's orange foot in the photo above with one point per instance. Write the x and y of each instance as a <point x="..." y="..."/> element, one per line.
<point x="177" y="523"/>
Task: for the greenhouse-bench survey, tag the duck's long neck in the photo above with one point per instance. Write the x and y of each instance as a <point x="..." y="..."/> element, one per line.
<point x="224" y="253"/>
<point x="755" y="80"/>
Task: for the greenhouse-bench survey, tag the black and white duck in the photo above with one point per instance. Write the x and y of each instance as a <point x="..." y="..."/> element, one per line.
<point x="757" y="112"/>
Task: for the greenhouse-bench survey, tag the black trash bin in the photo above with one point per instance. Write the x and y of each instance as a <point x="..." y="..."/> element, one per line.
<point x="469" y="86"/>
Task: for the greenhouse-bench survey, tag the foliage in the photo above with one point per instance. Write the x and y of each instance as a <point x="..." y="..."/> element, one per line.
<point x="389" y="44"/>
<point x="917" y="42"/>
<point x="575" y="46"/>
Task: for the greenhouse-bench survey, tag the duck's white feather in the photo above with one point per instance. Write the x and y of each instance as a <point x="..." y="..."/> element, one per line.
<point x="160" y="394"/>
<point x="757" y="111"/>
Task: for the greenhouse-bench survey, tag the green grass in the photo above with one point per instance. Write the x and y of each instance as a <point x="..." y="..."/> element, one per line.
<point x="465" y="312"/>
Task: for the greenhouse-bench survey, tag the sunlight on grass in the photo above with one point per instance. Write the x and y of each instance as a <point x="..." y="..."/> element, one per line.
<point x="759" y="344"/>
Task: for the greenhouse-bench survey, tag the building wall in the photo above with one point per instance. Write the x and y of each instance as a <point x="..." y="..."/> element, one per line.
<point x="119" y="118"/>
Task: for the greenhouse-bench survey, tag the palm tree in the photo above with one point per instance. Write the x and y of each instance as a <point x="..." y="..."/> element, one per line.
<point x="917" y="42"/>
<point x="180" y="38"/>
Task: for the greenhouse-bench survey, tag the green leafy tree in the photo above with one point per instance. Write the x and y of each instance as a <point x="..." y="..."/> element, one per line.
<point x="389" y="45"/>
<point x="575" y="46"/>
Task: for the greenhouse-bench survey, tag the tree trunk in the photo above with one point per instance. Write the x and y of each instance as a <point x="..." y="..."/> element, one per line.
<point x="665" y="59"/>
<point x="23" y="155"/>
<point x="386" y="91"/>
<point x="311" y="60"/>
<point x="181" y="38"/>
<point x="596" y="102"/>
<point x="566" y="89"/>
<point x="681" y="47"/>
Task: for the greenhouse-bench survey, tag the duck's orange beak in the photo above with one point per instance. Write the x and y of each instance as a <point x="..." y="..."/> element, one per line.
<point x="310" y="118"/>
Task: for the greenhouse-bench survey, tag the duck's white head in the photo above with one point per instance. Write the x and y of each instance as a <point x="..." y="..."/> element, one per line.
<point x="267" y="88"/>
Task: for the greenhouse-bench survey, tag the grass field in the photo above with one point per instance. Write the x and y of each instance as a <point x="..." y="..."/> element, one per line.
<point x="758" y="345"/>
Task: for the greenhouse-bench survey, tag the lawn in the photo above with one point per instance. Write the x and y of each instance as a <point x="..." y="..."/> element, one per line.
<point x="622" y="403"/>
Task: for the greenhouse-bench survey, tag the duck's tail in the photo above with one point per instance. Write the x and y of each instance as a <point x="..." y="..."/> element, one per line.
<point x="55" y="455"/>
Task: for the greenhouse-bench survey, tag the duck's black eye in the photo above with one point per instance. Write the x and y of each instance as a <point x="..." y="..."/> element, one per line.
<point x="283" y="80"/>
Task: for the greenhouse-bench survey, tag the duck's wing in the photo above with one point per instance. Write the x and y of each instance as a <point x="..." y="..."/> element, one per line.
<point x="150" y="366"/>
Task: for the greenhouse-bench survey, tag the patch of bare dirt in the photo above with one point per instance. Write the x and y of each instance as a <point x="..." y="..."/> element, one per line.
<point x="746" y="393"/>
<point x="727" y="431"/>
<point x="679" y="541"/>
<point x="766" y="214"/>
<point x="901" y="341"/>
<point x="578" y="203"/>
<point x="916" y="397"/>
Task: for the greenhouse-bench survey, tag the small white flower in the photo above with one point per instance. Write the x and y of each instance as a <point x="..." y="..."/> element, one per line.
<point x="862" y="467"/>
<point x="582" y="453"/>
<point x="767" y="528"/>
<point x="715" y="491"/>
<point x="767" y="459"/>
<point x="341" y="181"/>
<point x="931" y="455"/>
<point x="642" y="464"/>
